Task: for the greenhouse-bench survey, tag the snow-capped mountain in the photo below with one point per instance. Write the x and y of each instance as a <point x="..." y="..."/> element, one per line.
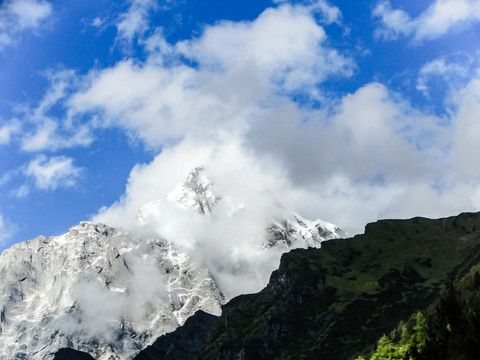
<point x="286" y="228"/>
<point x="97" y="290"/>
<point x="110" y="292"/>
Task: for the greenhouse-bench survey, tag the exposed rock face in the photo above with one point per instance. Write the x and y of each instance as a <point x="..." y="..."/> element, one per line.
<point x="97" y="290"/>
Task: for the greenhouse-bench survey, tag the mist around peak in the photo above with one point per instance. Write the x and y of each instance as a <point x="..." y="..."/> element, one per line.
<point x="218" y="203"/>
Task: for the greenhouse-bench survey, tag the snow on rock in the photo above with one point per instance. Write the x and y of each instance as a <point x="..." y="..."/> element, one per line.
<point x="295" y="231"/>
<point x="195" y="193"/>
<point x="97" y="290"/>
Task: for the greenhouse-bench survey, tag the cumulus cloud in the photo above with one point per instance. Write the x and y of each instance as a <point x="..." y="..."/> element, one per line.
<point x="285" y="43"/>
<point x="364" y="122"/>
<point x="54" y="172"/>
<point x="17" y="16"/>
<point x="48" y="136"/>
<point x="240" y="65"/>
<point x="153" y="103"/>
<point x="466" y="129"/>
<point x="438" y="19"/>
<point x="331" y="14"/>
<point x="374" y="156"/>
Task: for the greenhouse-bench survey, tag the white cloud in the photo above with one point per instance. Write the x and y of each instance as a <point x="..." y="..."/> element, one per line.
<point x="445" y="68"/>
<point x="8" y="130"/>
<point x="372" y="156"/>
<point x="20" y="192"/>
<point x="7" y="229"/>
<point x="154" y="103"/>
<point x="52" y="173"/>
<point x="17" y="16"/>
<point x="445" y="15"/>
<point x="240" y="65"/>
<point x="467" y="131"/>
<point x="285" y="44"/>
<point x="98" y="22"/>
<point x="438" y="19"/>
<point x="46" y="136"/>
<point x="45" y="130"/>
<point x="330" y="13"/>
<point x="135" y="22"/>
<point x="394" y="22"/>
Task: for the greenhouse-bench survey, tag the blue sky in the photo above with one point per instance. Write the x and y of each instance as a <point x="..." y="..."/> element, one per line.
<point x="346" y="111"/>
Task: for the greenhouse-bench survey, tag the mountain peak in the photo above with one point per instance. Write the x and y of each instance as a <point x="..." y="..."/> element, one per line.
<point x="196" y="192"/>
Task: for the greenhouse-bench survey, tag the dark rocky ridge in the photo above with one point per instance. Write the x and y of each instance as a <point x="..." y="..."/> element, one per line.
<point x="334" y="302"/>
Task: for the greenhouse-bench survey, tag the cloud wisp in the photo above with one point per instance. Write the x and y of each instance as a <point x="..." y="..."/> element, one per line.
<point x="52" y="173"/>
<point x="438" y="19"/>
<point x="18" y="16"/>
<point x="8" y="130"/>
<point x="135" y="21"/>
<point x="6" y="229"/>
<point x="451" y="71"/>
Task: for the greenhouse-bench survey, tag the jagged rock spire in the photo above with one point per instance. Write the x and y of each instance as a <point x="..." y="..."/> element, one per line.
<point x="196" y="192"/>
